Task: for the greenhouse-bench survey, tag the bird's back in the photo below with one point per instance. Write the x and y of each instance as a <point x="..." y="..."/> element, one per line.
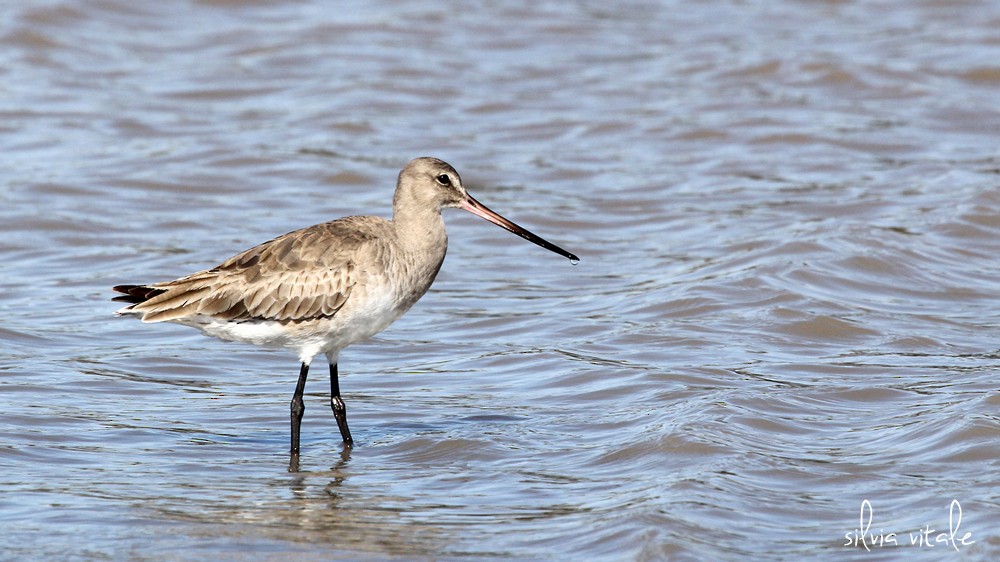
<point x="305" y="274"/>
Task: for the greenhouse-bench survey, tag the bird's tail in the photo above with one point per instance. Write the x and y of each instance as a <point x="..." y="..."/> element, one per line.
<point x="135" y="294"/>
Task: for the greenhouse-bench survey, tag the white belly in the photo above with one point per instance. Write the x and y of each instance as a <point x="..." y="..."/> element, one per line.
<point x="356" y="321"/>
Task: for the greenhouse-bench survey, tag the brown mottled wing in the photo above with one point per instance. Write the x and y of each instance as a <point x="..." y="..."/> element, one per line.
<point x="302" y="275"/>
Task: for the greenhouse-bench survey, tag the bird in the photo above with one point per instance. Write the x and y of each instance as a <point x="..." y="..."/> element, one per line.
<point x="319" y="289"/>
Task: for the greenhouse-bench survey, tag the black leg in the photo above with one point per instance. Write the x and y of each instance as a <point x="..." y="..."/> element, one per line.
<point x="339" y="408"/>
<point x="298" y="408"/>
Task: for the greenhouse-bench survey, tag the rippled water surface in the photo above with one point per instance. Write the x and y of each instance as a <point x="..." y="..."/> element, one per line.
<point x="788" y="216"/>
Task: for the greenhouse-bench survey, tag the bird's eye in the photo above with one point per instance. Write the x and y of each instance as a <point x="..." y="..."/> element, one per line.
<point x="443" y="179"/>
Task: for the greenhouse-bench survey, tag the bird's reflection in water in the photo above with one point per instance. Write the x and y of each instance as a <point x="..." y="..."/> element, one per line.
<point x="336" y="469"/>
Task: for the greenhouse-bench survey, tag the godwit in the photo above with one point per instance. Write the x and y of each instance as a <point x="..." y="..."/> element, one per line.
<point x="322" y="288"/>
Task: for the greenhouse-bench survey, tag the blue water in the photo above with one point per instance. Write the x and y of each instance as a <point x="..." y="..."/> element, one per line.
<point x="786" y="214"/>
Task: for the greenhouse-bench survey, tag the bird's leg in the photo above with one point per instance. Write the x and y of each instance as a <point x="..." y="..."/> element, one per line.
<point x="298" y="408"/>
<point x="339" y="408"/>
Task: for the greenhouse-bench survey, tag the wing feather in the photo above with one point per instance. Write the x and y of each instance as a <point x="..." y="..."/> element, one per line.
<point x="303" y="275"/>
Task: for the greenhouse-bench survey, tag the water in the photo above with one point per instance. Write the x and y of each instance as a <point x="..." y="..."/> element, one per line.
<point x="787" y="218"/>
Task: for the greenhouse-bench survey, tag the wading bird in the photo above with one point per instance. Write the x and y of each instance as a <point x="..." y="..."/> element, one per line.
<point x="324" y="287"/>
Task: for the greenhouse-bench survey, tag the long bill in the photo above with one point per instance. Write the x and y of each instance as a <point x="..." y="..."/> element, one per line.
<point x="478" y="209"/>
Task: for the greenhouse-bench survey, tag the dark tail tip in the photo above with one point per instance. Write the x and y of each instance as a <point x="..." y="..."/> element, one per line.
<point x="135" y="294"/>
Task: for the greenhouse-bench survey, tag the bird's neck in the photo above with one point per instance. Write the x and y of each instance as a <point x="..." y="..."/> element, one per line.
<point x="420" y="230"/>
<point x="423" y="243"/>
